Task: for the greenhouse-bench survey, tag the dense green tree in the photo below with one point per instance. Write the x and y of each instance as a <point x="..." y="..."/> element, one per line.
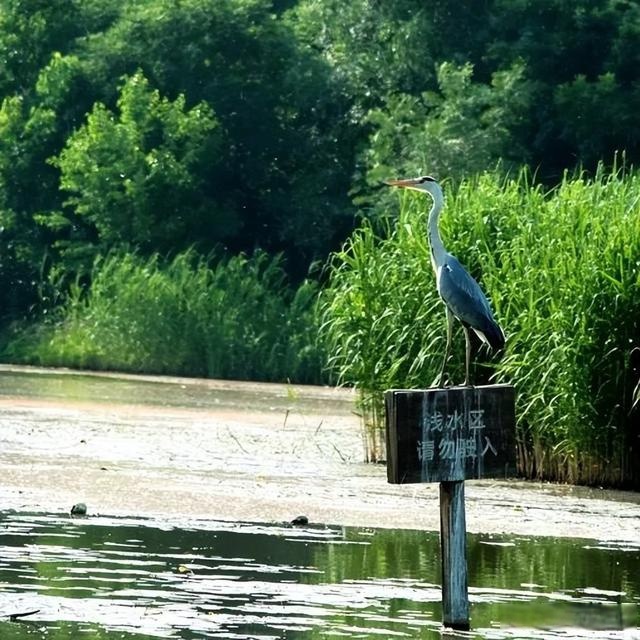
<point x="598" y="117"/>
<point x="461" y="129"/>
<point x="141" y="177"/>
<point x="289" y="154"/>
<point x="578" y="62"/>
<point x="280" y="182"/>
<point x="29" y="33"/>
<point x="381" y="48"/>
<point x="583" y="58"/>
<point x="43" y="97"/>
<point x="32" y="128"/>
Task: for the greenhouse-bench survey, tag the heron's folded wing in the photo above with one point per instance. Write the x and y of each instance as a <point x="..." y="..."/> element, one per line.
<point x="463" y="294"/>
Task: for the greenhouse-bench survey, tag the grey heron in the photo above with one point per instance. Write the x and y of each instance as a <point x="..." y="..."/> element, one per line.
<point x="461" y="294"/>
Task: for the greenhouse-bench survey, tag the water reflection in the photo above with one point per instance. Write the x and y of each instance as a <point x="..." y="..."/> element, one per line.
<point x="168" y="392"/>
<point x="125" y="578"/>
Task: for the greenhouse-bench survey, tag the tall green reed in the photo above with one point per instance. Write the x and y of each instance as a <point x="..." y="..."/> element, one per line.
<point x="230" y="318"/>
<point x="561" y="269"/>
<point x="380" y="316"/>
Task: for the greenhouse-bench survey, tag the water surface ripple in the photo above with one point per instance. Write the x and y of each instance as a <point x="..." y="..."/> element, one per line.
<point x="100" y="577"/>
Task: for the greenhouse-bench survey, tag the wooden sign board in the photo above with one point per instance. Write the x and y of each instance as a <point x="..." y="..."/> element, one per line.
<point x="450" y="434"/>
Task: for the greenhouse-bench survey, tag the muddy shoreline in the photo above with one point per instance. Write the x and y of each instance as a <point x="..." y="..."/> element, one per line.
<point x="172" y="448"/>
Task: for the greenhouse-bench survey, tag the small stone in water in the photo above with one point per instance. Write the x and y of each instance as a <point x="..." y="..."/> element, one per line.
<point x="300" y="521"/>
<point x="79" y="509"/>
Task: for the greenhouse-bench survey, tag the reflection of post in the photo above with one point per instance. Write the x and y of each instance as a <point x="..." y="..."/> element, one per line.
<point x="455" y="597"/>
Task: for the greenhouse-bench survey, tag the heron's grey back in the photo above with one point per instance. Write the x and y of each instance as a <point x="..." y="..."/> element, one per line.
<point x="463" y="295"/>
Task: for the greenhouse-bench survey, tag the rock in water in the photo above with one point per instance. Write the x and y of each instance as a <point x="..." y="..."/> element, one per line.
<point x="79" y="509"/>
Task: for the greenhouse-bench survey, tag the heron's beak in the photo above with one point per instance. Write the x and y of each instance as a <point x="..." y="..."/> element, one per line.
<point x="407" y="183"/>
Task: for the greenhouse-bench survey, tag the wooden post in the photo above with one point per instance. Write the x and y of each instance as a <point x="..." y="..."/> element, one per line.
<point x="447" y="436"/>
<point x="455" y="596"/>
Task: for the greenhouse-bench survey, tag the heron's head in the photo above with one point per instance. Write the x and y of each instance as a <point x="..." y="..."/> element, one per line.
<point x="423" y="183"/>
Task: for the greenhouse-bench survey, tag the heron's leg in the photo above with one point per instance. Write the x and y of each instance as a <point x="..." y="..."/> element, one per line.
<point x="467" y="361"/>
<point x="448" y="347"/>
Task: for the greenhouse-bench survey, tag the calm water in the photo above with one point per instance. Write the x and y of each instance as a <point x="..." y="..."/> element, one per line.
<point x="114" y="578"/>
<point x="136" y="390"/>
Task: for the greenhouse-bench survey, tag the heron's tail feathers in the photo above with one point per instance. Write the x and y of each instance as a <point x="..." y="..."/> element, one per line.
<point x="492" y="335"/>
<point x="495" y="337"/>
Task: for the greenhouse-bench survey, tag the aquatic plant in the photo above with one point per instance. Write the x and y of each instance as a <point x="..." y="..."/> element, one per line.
<point x="561" y="269"/>
<point x="229" y="318"/>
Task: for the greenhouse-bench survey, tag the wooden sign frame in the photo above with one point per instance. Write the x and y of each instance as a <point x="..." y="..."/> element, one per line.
<point x="450" y="434"/>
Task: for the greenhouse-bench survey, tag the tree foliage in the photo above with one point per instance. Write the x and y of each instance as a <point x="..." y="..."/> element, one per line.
<point x="286" y="167"/>
<point x="458" y="130"/>
<point x="140" y="177"/>
<point x="577" y="65"/>
<point x="273" y="173"/>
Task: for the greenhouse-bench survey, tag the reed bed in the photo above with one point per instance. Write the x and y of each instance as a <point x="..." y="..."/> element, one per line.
<point x="562" y="271"/>
<point x="234" y="318"/>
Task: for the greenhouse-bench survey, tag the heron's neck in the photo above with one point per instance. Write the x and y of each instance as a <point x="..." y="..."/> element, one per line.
<point x="437" y="248"/>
